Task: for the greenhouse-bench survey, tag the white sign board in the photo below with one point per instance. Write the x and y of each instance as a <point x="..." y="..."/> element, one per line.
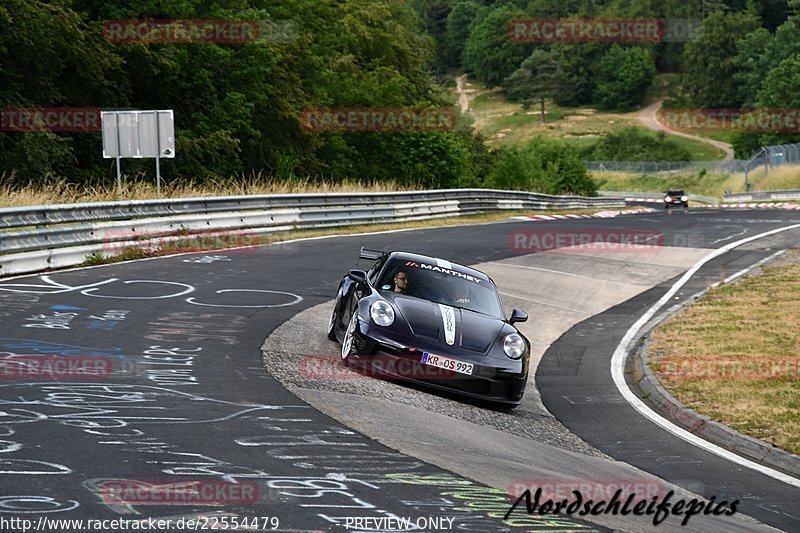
<point x="138" y="134"/>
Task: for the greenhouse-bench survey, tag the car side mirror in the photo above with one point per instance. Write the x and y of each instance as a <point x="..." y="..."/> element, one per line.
<point x="359" y="276"/>
<point x="518" y="316"/>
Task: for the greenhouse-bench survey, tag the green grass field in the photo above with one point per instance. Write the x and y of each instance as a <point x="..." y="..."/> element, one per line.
<point x="713" y="185"/>
<point x="734" y="357"/>
<point x="504" y="123"/>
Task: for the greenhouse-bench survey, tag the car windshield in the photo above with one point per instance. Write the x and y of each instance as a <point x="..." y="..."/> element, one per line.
<point x="676" y="192"/>
<point x="449" y="286"/>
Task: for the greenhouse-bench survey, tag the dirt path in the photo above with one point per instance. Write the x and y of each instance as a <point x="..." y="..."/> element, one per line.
<point x="648" y="116"/>
<point x="463" y="99"/>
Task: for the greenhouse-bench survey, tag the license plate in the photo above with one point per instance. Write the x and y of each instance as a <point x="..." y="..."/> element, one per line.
<point x="447" y="363"/>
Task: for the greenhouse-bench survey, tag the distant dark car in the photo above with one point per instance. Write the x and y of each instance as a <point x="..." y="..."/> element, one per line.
<point x="675" y="198"/>
<point x="442" y="326"/>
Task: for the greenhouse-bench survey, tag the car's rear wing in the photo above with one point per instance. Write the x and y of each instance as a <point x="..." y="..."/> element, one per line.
<point x="370" y="255"/>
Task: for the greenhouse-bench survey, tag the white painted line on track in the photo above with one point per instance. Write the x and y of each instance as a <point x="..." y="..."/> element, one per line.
<point x="621" y="353"/>
<point x="729" y="237"/>
<point x="540" y="269"/>
<point x="541" y="302"/>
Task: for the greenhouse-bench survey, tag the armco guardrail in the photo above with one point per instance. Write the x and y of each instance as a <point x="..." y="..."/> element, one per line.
<point x="56" y="236"/>
<point x="764" y="196"/>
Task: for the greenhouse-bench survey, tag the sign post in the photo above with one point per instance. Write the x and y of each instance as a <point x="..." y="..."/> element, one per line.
<point x="119" y="174"/>
<point x="138" y="134"/>
<point x="158" y="157"/>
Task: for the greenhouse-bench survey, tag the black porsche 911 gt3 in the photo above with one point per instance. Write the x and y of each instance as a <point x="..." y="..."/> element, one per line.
<point x="433" y="322"/>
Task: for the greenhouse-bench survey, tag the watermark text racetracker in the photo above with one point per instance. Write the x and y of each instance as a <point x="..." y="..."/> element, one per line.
<point x="329" y="367"/>
<point x="574" y="30"/>
<point x="377" y="119"/>
<point x="758" y="120"/>
<point x="211" y="492"/>
<point x="50" y="367"/>
<point x="559" y="489"/>
<point x="198" y="31"/>
<point x="166" y="241"/>
<point x="713" y="367"/>
<point x="586" y="240"/>
<point x="50" y="119"/>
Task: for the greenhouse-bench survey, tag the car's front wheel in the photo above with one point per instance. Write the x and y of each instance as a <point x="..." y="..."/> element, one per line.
<point x="333" y="320"/>
<point x="349" y="340"/>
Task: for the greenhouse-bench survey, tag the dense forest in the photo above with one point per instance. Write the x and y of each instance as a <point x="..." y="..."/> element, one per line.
<point x="238" y="105"/>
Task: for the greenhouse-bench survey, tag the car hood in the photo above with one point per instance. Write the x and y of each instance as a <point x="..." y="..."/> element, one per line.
<point x="452" y="327"/>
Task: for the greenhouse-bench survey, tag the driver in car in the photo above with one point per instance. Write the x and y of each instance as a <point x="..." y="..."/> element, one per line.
<point x="401" y="282"/>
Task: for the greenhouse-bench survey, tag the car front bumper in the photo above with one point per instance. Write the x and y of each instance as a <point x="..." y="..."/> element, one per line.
<point x="385" y="358"/>
<point x="675" y="203"/>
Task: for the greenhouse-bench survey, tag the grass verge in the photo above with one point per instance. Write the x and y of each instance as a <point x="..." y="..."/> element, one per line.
<point x="713" y="185"/>
<point x="735" y="355"/>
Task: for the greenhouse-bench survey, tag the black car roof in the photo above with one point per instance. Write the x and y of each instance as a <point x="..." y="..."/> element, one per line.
<point x="408" y="256"/>
<point x="675" y="191"/>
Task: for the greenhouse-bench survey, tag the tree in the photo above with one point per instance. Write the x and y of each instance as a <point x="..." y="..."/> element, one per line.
<point x="536" y="78"/>
<point x="780" y="92"/>
<point x="780" y="89"/>
<point x="779" y="96"/>
<point x="623" y="76"/>
<point x="575" y="72"/>
<point x="434" y="14"/>
<point x="545" y="165"/>
<point x="709" y="60"/>
<point x="564" y="170"/>
<point x="489" y="52"/>
<point x="759" y="52"/>
<point x="457" y="29"/>
<point x="745" y="143"/>
<point x="635" y="144"/>
<point x="773" y="13"/>
<point x="751" y="64"/>
<point x="50" y="56"/>
<point x="237" y="105"/>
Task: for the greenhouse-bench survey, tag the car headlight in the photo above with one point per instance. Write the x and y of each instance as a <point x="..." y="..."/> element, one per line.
<point x="684" y="198"/>
<point x="514" y="346"/>
<point x="667" y="199"/>
<point x="382" y="313"/>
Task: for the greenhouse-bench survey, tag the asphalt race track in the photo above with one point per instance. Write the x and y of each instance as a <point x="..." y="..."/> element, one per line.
<point x="182" y="397"/>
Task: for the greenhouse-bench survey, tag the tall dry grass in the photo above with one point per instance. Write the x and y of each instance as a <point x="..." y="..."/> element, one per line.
<point x="17" y="192"/>
<point x="714" y="185"/>
<point x="775" y="179"/>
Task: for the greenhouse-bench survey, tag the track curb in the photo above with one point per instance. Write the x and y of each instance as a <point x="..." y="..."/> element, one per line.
<point x="749" y="205"/>
<point x="599" y="214"/>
